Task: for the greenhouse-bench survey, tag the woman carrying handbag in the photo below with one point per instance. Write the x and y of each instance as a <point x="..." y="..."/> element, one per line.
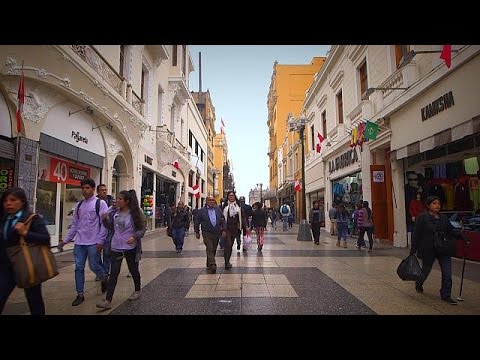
<point x="15" y="212"/>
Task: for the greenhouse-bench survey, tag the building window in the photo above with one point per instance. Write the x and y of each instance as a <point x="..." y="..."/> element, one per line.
<point x="340" y="107"/>
<point x="172" y="119"/>
<point x="363" y="78"/>
<point x="122" y="59"/>
<point x="201" y="156"/>
<point x="190" y="138"/>
<point x="142" y="86"/>
<point x="400" y="52"/>
<point x="295" y="161"/>
<point x="196" y="147"/>
<point x="324" y="123"/>
<point x="174" y="55"/>
<point x="190" y="178"/>
<point x="160" y="107"/>
<point x="312" y="136"/>
<point x="203" y="186"/>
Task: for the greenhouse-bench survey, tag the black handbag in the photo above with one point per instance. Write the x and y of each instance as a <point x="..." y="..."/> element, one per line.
<point x="409" y="269"/>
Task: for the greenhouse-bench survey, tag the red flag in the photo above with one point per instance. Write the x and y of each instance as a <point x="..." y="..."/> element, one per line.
<point x="21" y="101"/>
<point x="298" y="185"/>
<point x="447" y="55"/>
<point x="319" y="145"/>
<point x="176" y="165"/>
<point x="196" y="191"/>
<point x="223" y="124"/>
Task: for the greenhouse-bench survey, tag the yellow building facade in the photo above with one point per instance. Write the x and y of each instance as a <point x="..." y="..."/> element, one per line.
<point x="220" y="156"/>
<point x="288" y="86"/>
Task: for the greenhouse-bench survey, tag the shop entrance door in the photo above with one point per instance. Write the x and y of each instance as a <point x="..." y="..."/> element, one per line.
<point x="379" y="200"/>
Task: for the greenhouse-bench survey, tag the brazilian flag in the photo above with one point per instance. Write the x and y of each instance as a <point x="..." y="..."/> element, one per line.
<point x="371" y="130"/>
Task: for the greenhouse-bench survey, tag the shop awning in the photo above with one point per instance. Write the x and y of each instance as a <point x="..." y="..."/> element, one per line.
<point x="458" y="132"/>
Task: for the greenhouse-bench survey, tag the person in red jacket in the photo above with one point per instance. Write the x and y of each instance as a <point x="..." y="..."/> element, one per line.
<point x="416" y="207"/>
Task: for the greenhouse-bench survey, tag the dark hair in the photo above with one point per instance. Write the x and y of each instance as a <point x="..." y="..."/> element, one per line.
<point x="100" y="185"/>
<point x="131" y="197"/>
<point x="89" y="182"/>
<point x="18" y="193"/>
<point x="431" y="199"/>
<point x="226" y="199"/>
<point x="369" y="211"/>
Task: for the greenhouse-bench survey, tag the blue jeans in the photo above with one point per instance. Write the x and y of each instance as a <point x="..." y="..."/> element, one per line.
<point x="285" y="223"/>
<point x="178" y="236"/>
<point x="445" y="263"/>
<point x="342" y="230"/>
<point x="80" y="253"/>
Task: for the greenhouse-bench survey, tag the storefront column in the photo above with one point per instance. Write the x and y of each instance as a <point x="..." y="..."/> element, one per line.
<point x="26" y="167"/>
<point x="366" y="178"/>
<point x="400" y="227"/>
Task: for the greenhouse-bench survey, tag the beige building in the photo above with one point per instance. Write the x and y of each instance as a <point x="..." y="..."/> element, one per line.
<point x="119" y="114"/>
<point x="427" y="129"/>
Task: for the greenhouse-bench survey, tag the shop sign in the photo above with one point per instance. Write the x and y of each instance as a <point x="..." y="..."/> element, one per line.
<point x="6" y="179"/>
<point x="76" y="135"/>
<point x="437" y="106"/>
<point x="348" y="158"/>
<point x="65" y="172"/>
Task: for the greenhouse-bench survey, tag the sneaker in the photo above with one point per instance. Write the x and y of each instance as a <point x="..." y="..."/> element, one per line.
<point x="104" y="304"/>
<point x="228" y="266"/>
<point x="238" y="247"/>
<point x="450" y="301"/>
<point x="212" y="269"/>
<point x="78" y="300"/>
<point x="419" y="289"/>
<point x="179" y="251"/>
<point x="135" y="296"/>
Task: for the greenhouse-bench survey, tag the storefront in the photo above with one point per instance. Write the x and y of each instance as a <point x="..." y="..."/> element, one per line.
<point x="343" y="173"/>
<point x="442" y="156"/>
<point x="69" y="153"/>
<point x="7" y="148"/>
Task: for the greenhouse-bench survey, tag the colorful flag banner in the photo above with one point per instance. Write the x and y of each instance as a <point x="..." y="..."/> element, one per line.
<point x="371" y="130"/>
<point x="196" y="191"/>
<point x="447" y="55"/>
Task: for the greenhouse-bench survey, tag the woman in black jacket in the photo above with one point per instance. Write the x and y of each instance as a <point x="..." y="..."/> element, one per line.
<point x="15" y="213"/>
<point x="428" y="225"/>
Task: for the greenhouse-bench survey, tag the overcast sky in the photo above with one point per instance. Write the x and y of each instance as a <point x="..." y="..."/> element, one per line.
<point x="238" y="77"/>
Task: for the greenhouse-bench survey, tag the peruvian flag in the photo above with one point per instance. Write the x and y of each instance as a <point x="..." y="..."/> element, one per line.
<point x="447" y="55"/>
<point x="175" y="164"/>
<point x="196" y="191"/>
<point x="298" y="185"/>
<point x="21" y="101"/>
<point x="319" y="145"/>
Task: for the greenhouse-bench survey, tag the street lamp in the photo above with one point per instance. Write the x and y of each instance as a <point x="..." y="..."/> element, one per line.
<point x="304" y="233"/>
<point x="261" y="194"/>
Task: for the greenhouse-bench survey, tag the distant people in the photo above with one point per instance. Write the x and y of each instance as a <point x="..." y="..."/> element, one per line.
<point x="291" y="217"/>
<point x="273" y="218"/>
<point x="90" y="235"/>
<point x="236" y="221"/>
<point x="127" y="223"/>
<point x="316" y="217"/>
<point x="285" y="213"/>
<point x="331" y="215"/>
<point x="13" y="215"/>
<point x="341" y="217"/>
<point x="355" y="223"/>
<point x="416" y="207"/>
<point x="105" y="255"/>
<point x="248" y="212"/>
<point x="365" y="225"/>
<point x="212" y="223"/>
<point x="428" y="225"/>
<point x="259" y="223"/>
<point x="187" y="224"/>
<point x="179" y="219"/>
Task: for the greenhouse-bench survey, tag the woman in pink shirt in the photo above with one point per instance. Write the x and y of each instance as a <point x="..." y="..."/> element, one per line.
<point x="128" y="225"/>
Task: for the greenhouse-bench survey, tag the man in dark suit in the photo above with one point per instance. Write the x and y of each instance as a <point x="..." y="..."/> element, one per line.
<point x="213" y="224"/>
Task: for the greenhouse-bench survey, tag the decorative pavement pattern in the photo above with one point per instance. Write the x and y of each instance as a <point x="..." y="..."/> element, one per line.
<point x="288" y="277"/>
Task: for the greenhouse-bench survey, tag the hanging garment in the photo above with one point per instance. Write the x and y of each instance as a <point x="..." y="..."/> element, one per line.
<point x="437" y="190"/>
<point x="449" y="195"/>
<point x="474" y="185"/>
<point x="462" y="198"/>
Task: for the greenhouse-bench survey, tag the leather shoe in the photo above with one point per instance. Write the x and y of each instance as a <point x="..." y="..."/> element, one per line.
<point x="228" y="266"/>
<point x="212" y="269"/>
<point x="419" y="289"/>
<point x="78" y="300"/>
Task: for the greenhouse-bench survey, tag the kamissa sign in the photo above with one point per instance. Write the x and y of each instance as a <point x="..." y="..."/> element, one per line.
<point x="6" y="179"/>
<point x="437" y="106"/>
<point x="348" y="158"/>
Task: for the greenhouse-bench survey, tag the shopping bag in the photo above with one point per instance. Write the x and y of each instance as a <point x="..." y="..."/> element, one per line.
<point x="247" y="242"/>
<point x="409" y="269"/>
<point x="32" y="263"/>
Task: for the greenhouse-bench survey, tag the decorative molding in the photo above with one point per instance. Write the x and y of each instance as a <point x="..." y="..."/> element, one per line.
<point x="335" y="81"/>
<point x="14" y="69"/>
<point x="323" y="100"/>
<point x="113" y="146"/>
<point x="356" y="52"/>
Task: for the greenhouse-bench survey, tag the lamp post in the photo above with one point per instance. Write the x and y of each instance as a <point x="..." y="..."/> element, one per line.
<point x="261" y="193"/>
<point x="304" y="233"/>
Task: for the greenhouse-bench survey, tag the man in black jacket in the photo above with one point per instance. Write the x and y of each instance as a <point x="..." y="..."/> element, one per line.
<point x="213" y="223"/>
<point x="248" y="212"/>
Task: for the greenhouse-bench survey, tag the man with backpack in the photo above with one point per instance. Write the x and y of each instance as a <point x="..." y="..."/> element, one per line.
<point x="89" y="234"/>
<point x="105" y="255"/>
<point x="285" y="213"/>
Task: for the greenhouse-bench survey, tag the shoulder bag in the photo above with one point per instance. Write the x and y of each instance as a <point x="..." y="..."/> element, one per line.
<point x="32" y="263"/>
